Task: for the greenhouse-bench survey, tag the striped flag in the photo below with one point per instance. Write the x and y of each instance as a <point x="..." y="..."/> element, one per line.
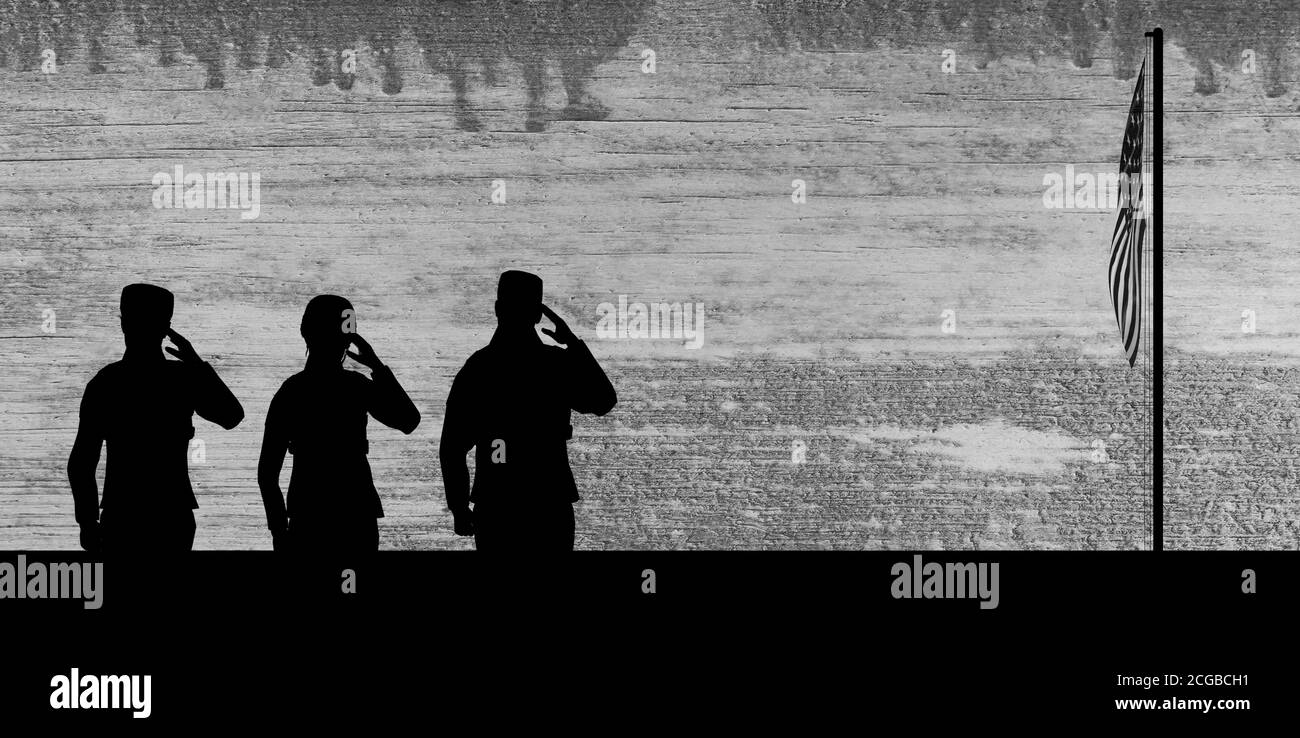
<point x="1130" y="227"/>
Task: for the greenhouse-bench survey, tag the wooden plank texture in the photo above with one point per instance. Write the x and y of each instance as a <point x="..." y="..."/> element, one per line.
<point x="822" y="319"/>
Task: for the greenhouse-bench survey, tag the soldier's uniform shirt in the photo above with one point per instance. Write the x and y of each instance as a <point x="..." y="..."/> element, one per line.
<point x="321" y="415"/>
<point x="514" y="398"/>
<point x="144" y="411"/>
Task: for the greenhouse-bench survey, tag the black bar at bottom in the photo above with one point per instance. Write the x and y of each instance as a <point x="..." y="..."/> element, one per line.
<point x="246" y="634"/>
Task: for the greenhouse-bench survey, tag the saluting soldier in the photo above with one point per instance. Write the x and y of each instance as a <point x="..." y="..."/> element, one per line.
<point x="511" y="403"/>
<point x="142" y="409"/>
<point x="319" y="415"/>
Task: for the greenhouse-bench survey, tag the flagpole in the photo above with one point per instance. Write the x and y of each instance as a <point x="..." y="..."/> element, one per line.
<point x="1157" y="289"/>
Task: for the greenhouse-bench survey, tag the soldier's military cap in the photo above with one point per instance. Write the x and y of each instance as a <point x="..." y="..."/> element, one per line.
<point x="519" y="288"/>
<point x="147" y="302"/>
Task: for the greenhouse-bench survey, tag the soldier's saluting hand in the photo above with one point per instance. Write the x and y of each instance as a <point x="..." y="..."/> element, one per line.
<point x="561" y="334"/>
<point x="184" y="349"/>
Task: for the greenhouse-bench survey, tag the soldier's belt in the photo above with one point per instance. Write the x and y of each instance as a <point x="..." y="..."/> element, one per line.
<point x="361" y="447"/>
<point x="185" y="433"/>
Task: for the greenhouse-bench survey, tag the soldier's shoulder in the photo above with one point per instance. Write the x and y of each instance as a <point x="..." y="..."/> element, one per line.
<point x="479" y="358"/>
<point x="291" y="385"/>
<point x="109" y="370"/>
<point x="108" y="374"/>
<point x="478" y="364"/>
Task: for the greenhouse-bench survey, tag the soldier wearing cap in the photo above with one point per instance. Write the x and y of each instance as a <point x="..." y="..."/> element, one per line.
<point x="511" y="404"/>
<point x="319" y="415"/>
<point x="142" y="409"/>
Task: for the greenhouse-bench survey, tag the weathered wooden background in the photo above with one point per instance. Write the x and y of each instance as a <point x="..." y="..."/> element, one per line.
<point x="823" y="319"/>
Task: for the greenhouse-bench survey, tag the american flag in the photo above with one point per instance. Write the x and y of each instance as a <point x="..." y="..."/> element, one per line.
<point x="1130" y="227"/>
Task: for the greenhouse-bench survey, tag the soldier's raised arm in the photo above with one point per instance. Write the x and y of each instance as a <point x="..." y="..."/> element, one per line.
<point x="457" y="440"/>
<point x="82" y="463"/>
<point x="388" y="402"/>
<point x="589" y="390"/>
<point x="593" y="393"/>
<point x="213" y="400"/>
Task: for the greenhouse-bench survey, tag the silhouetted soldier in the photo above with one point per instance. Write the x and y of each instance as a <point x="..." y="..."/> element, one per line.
<point x="319" y="415"/>
<point x="142" y="407"/>
<point x="511" y="402"/>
